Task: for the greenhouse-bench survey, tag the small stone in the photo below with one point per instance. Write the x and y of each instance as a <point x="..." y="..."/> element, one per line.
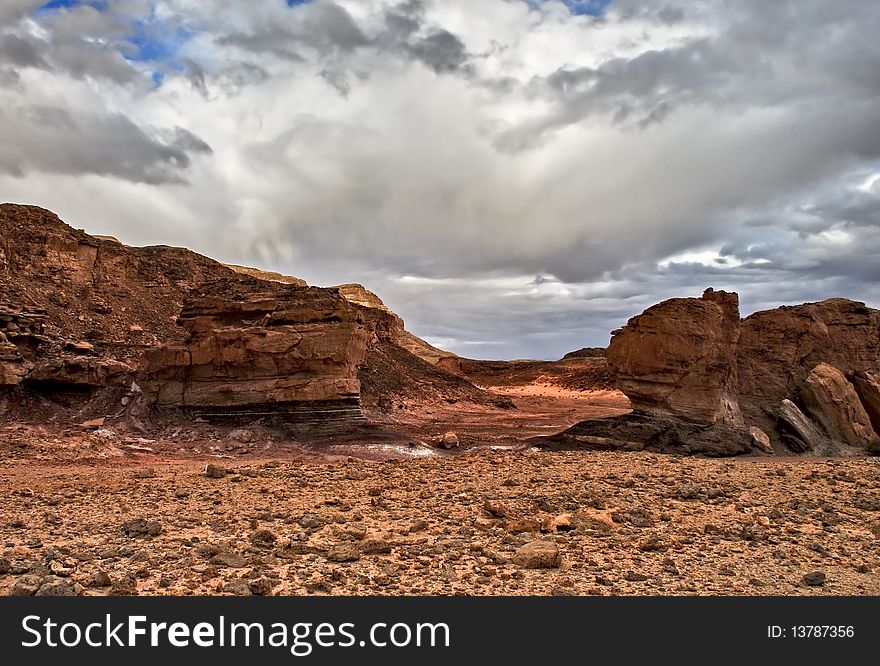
<point x="237" y="587"/>
<point x="497" y="509"/>
<point x="635" y="577"/>
<point x="227" y="558"/>
<point x="418" y="526"/>
<point x="261" y="586"/>
<point x="56" y="588"/>
<point x="242" y="436"/>
<point x="181" y="493"/>
<point x="521" y="525"/>
<point x="27" y="585"/>
<point x="63" y="567"/>
<point x="310" y="521"/>
<point x="100" y="578"/>
<point x="94" y="424"/>
<point x="5" y="566"/>
<point x="126" y="586"/>
<point x="263" y="539"/>
<point x="814" y="579"/>
<point x="560" y="523"/>
<point x="652" y="544"/>
<point x="345" y="551"/>
<point x="214" y="472"/>
<point x="140" y="527"/>
<point x="538" y="555"/>
<point x="449" y="441"/>
<point x="375" y="547"/>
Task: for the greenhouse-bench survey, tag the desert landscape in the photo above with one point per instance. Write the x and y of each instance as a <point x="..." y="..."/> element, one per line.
<point x="172" y="425"/>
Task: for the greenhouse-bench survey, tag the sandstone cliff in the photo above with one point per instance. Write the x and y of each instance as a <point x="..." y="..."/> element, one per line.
<point x="801" y="379"/>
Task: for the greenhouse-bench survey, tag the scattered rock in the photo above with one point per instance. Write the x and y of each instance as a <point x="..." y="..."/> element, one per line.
<point x="345" y="551"/>
<point x="124" y="586"/>
<point x="242" y="436"/>
<point x="418" y="526"/>
<point x="264" y="539"/>
<point x="261" y="586"/>
<point x="57" y="588"/>
<point x="449" y="441"/>
<point x="100" y="578"/>
<point x="375" y="547"/>
<point x="227" y="558"/>
<point x="814" y="579"/>
<point x="237" y="587"/>
<point x="214" y="472"/>
<point x="538" y="555"/>
<point x="27" y="585"/>
<point x="497" y="509"/>
<point x="141" y="527"/>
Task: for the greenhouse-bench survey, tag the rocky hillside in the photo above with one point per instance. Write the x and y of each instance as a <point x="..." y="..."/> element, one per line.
<point x="79" y="312"/>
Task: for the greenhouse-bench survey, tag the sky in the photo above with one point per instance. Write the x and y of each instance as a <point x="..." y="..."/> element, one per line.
<point x="514" y="178"/>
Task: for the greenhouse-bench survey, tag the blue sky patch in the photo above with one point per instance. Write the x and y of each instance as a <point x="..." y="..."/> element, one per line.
<point x="100" y="5"/>
<point x="580" y="7"/>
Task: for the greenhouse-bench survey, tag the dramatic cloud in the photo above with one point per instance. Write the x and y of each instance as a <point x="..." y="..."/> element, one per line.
<point x="516" y="178"/>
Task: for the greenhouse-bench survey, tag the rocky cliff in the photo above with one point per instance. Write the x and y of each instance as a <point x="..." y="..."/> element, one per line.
<point x="700" y="380"/>
<point x="260" y="350"/>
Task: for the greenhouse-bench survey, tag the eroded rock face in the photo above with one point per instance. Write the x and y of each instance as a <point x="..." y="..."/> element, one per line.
<point x="779" y="348"/>
<point x="287" y="349"/>
<point x="867" y="386"/>
<point x="677" y="358"/>
<point x="830" y="399"/>
<point x="806" y="377"/>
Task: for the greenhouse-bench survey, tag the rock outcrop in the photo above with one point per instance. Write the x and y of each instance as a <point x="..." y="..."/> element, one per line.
<point x="867" y="386"/>
<point x="801" y="379"/>
<point x="677" y="358"/>
<point x="779" y="348"/>
<point x="78" y="311"/>
<point x="289" y="351"/>
<point x="832" y="401"/>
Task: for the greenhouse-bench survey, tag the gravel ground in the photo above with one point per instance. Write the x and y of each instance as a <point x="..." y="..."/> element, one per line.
<point x="492" y="523"/>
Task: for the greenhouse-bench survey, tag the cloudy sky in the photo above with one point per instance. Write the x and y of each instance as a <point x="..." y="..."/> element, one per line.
<point x="515" y="178"/>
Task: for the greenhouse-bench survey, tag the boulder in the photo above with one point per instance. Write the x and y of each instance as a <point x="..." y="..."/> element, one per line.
<point x="538" y="555"/>
<point x="829" y="397"/>
<point x="779" y="348"/>
<point x="797" y="431"/>
<point x="677" y="358"/>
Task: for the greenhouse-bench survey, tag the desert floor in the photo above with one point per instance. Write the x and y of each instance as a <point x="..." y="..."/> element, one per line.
<point x="98" y="513"/>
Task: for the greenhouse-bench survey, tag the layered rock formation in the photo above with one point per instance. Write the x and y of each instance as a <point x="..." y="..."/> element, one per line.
<point x="290" y="351"/>
<point x="78" y="311"/>
<point x="802" y="379"/>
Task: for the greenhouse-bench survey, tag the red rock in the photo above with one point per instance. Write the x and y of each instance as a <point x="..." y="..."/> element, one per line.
<point x="867" y="386"/>
<point x="677" y="357"/>
<point x="834" y="403"/>
<point x="265" y="350"/>
<point x="778" y="348"/>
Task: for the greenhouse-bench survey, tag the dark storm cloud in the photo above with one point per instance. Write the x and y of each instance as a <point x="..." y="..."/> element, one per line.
<point x="52" y="140"/>
<point x="332" y="32"/>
